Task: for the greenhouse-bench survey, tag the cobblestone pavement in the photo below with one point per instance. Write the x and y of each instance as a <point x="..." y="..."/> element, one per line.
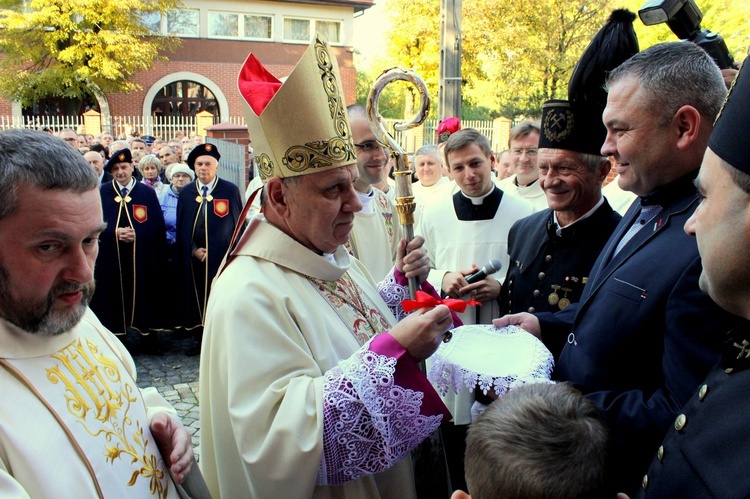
<point x="174" y="375"/>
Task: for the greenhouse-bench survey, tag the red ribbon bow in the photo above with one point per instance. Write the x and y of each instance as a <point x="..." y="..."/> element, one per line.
<point x="425" y="300"/>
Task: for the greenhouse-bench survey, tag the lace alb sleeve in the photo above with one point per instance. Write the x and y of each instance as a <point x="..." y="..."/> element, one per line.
<point x="369" y="422"/>
<point x="393" y="291"/>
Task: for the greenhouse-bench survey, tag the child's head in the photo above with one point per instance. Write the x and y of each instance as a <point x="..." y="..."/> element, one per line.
<point x="538" y="441"/>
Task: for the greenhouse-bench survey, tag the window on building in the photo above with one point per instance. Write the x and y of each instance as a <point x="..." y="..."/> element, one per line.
<point x="330" y="31"/>
<point x="259" y="27"/>
<point x="247" y="26"/>
<point x="152" y="21"/>
<point x="302" y="30"/>
<point x="182" y="22"/>
<point x="184" y="98"/>
<point x="223" y="25"/>
<point x="297" y="30"/>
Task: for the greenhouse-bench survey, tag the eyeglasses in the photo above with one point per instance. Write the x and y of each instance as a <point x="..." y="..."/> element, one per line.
<point x="518" y="151"/>
<point x="369" y="146"/>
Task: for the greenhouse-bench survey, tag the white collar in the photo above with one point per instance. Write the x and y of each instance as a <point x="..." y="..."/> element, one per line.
<point x="366" y="200"/>
<point x="582" y="217"/>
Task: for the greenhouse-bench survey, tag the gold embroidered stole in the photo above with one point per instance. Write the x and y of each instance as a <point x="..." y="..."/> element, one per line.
<point x="96" y="401"/>
<point x="353" y="307"/>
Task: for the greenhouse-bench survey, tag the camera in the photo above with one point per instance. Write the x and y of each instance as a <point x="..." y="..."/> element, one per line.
<point x="684" y="19"/>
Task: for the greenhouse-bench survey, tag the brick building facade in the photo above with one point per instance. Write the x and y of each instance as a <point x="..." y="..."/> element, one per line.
<point x="217" y="36"/>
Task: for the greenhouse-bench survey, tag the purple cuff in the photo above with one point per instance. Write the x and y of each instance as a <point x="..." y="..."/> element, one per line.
<point x="409" y="376"/>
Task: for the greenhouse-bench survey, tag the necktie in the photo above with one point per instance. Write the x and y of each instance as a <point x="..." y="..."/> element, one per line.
<point x="204" y="190"/>
<point x="647" y="214"/>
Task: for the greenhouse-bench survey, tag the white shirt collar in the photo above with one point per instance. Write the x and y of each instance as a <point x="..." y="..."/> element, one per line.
<point x="366" y="200"/>
<point x="210" y="185"/>
<point x="582" y="217"/>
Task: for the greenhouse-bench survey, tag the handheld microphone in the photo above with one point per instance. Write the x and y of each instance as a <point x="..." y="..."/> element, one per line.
<point x="489" y="268"/>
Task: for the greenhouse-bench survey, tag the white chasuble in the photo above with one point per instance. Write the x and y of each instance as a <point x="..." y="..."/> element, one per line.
<point x="98" y="409"/>
<point x="294" y="403"/>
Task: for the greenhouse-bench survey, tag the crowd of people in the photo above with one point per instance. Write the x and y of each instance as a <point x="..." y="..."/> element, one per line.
<point x="310" y="375"/>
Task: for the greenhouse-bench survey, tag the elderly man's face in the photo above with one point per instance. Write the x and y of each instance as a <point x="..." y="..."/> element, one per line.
<point x="138" y="145"/>
<point x="167" y="156"/>
<point x="720" y="225"/>
<point x="70" y="138"/>
<point x="95" y="160"/>
<point x="571" y="187"/>
<point x="48" y="247"/>
<point x="429" y="168"/>
<point x="122" y="172"/>
<point x="322" y="207"/>
<point x="106" y="140"/>
<point x="206" y="168"/>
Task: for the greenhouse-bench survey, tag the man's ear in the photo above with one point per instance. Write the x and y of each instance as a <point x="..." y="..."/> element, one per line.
<point x="603" y="170"/>
<point x="276" y="192"/>
<point x="460" y="494"/>
<point x="687" y="121"/>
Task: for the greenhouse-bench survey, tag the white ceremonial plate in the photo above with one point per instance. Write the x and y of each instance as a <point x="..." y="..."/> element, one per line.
<point x="488" y="357"/>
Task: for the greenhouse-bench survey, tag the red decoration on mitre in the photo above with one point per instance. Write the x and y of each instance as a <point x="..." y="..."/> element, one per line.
<point x="425" y="300"/>
<point x="256" y="84"/>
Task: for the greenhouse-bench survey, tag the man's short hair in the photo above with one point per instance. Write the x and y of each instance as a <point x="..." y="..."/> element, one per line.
<point x="37" y="159"/>
<point x="464" y="138"/>
<point x="526" y="127"/>
<point x="429" y="149"/>
<point x="539" y="440"/>
<point x="675" y="74"/>
<point x="740" y="178"/>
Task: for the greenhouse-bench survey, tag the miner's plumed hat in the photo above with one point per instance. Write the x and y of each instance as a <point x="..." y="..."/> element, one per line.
<point x="732" y="127"/>
<point x="576" y="124"/>
<point x="202" y="150"/>
<point x="300" y="126"/>
<point x="121" y="156"/>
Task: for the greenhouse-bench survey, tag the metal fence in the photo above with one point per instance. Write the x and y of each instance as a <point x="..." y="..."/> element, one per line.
<point x="167" y="127"/>
<point x="232" y="163"/>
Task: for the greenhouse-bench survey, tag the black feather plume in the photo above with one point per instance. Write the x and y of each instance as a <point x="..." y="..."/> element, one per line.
<point x="611" y="46"/>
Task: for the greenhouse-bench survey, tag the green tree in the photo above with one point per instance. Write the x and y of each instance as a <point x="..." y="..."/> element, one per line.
<point x="70" y="48"/>
<point x="516" y="55"/>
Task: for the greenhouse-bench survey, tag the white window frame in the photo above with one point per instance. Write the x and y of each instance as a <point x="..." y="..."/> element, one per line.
<point x="240" y="26"/>
<point x="165" y="26"/>
<point x="313" y="22"/>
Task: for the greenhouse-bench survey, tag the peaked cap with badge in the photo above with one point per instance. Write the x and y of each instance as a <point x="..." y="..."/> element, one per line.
<point x="121" y="156"/>
<point x="576" y="124"/>
<point x="300" y="126"/>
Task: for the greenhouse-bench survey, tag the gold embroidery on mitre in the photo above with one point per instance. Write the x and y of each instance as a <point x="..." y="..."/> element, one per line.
<point x="558" y="124"/>
<point x="103" y="411"/>
<point x="265" y="166"/>
<point x="323" y="153"/>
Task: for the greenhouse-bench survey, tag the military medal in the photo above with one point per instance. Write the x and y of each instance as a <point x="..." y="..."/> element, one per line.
<point x="564" y="301"/>
<point x="553" y="298"/>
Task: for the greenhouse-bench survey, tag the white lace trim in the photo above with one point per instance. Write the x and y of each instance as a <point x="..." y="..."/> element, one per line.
<point x="393" y="294"/>
<point x="369" y="423"/>
<point x="489" y="358"/>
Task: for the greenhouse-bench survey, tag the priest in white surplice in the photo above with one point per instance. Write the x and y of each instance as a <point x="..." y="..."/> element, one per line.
<point x="309" y="387"/>
<point x="73" y="422"/>
<point x="468" y="229"/>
